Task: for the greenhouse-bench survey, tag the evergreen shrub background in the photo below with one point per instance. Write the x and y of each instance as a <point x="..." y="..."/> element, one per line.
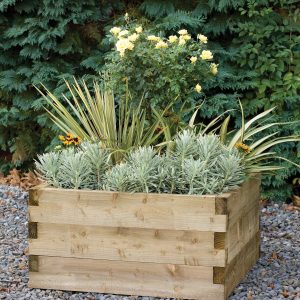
<point x="256" y="43"/>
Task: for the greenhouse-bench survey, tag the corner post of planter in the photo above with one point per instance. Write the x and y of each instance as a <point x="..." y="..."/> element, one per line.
<point x="220" y="238"/>
<point x="33" y="201"/>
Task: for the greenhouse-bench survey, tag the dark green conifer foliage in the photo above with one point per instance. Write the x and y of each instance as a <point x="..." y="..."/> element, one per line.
<point x="42" y="41"/>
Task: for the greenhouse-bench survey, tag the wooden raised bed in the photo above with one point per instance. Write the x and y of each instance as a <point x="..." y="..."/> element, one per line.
<point x="180" y="246"/>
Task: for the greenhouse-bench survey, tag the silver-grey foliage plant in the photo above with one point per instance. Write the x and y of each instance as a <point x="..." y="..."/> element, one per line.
<point x="75" y="168"/>
<point x="197" y="164"/>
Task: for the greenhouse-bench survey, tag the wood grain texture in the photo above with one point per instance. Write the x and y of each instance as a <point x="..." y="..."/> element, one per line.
<point x="129" y="278"/>
<point x="32" y="230"/>
<point x="159" y="211"/>
<point x="242" y="263"/>
<point x="242" y="199"/>
<point x="34" y="194"/>
<point x="33" y="263"/>
<point x="179" y="246"/>
<point x="128" y="244"/>
<point x="243" y="217"/>
<point x="219" y="240"/>
<point x="242" y="231"/>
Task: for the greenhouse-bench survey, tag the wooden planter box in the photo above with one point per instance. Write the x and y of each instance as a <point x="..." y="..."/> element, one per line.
<point x="179" y="246"/>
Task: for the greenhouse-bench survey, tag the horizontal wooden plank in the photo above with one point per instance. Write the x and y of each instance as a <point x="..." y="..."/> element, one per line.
<point x="127" y="278"/>
<point x="159" y="211"/>
<point x="128" y="244"/>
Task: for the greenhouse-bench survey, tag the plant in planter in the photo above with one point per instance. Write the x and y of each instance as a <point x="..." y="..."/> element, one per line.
<point x="161" y="69"/>
<point x="198" y="164"/>
<point x="98" y="117"/>
<point x="160" y="224"/>
<point x="77" y="168"/>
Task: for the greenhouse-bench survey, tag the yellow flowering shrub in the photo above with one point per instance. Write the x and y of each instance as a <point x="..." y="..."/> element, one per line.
<point x="159" y="68"/>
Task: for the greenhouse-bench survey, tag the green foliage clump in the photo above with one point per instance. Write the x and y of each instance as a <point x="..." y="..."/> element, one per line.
<point x="268" y="39"/>
<point x="197" y="165"/>
<point x="159" y="69"/>
<point x="98" y="117"/>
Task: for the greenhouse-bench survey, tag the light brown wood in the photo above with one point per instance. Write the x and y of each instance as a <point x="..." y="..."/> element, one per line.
<point x="181" y="246"/>
<point x="296" y="200"/>
<point x="219" y="240"/>
<point x="241" y="264"/>
<point x="242" y="231"/>
<point x="242" y="199"/>
<point x="32" y="230"/>
<point x="159" y="211"/>
<point x="130" y="278"/>
<point x="128" y="244"/>
<point x="33" y="263"/>
<point x="243" y="217"/>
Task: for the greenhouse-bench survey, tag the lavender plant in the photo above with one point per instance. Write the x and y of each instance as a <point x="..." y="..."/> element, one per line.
<point x="75" y="168"/>
<point x="197" y="165"/>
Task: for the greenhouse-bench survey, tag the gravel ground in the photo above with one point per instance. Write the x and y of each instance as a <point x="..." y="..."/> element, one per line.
<point x="275" y="276"/>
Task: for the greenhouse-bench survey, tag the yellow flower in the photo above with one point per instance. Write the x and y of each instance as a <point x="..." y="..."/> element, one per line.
<point x="124" y="44"/>
<point x="126" y="16"/>
<point x="139" y="29"/>
<point x="193" y="59"/>
<point x="206" y="54"/>
<point x="70" y="139"/>
<point x="123" y="32"/>
<point x="130" y="46"/>
<point x="173" y="38"/>
<point x="214" y="68"/>
<point x="153" y="38"/>
<point x="161" y="44"/>
<point x="115" y="30"/>
<point x="181" y="41"/>
<point x="202" y="38"/>
<point x="76" y="140"/>
<point x="183" y="32"/>
<point x="243" y="147"/>
<point x="186" y="37"/>
<point x="198" y="88"/>
<point x="133" y="37"/>
<point x="70" y="135"/>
